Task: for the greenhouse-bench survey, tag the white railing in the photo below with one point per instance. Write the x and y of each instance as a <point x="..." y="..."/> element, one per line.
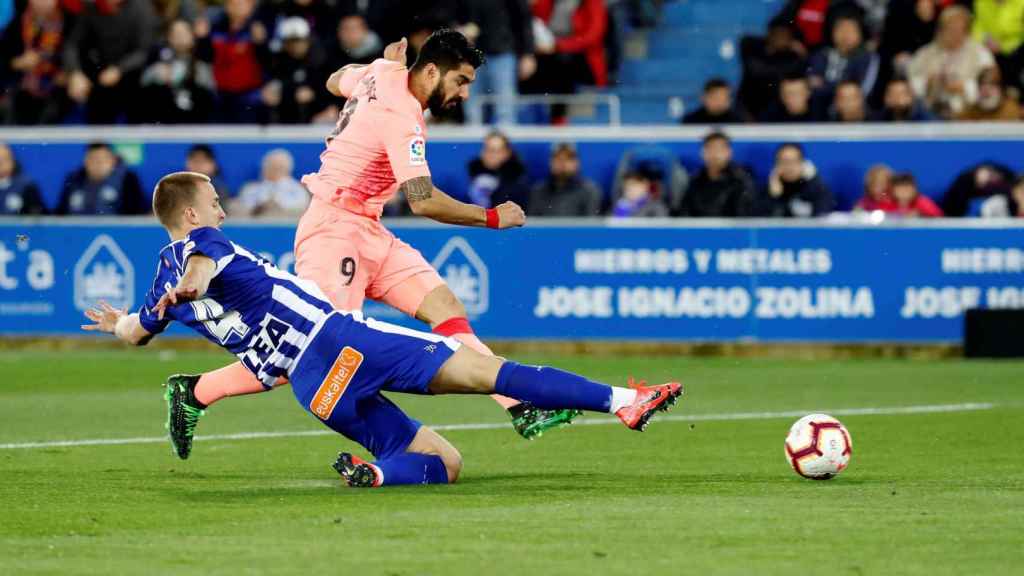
<point x="573" y="101"/>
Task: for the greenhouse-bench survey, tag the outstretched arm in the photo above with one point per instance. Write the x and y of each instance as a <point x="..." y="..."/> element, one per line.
<point x="125" y="326"/>
<point x="193" y="284"/>
<point x="426" y="200"/>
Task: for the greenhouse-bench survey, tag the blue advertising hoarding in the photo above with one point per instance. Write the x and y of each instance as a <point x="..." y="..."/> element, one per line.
<point x="670" y="281"/>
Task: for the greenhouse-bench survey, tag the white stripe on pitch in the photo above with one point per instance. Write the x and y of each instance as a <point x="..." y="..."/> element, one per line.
<point x="884" y="411"/>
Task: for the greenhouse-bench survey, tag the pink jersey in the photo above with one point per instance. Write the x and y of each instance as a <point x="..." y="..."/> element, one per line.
<point x="378" y="143"/>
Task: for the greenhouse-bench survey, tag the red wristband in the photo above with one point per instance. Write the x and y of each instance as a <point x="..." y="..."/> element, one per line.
<point x="492" y="218"/>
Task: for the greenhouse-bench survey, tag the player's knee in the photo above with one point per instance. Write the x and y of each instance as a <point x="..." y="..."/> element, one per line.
<point x="452" y="463"/>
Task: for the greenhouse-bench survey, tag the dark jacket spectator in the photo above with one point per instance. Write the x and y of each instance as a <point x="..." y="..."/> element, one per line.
<point x="19" y="195"/>
<point x="1006" y="206"/>
<point x="580" y="31"/>
<point x="845" y="60"/>
<point x="295" y="94"/>
<point x="814" y="18"/>
<point x="178" y="87"/>
<point x="794" y="104"/>
<point x="33" y="44"/>
<point x="103" y="186"/>
<point x="849" y="104"/>
<point x="504" y="30"/>
<point x="794" y="189"/>
<point x="201" y="158"/>
<point x="236" y="43"/>
<point x="353" y="42"/>
<point x="321" y="15"/>
<point x="975" y="185"/>
<point x="104" y="57"/>
<point x="766" y="61"/>
<point x="716" y="105"/>
<point x="900" y="105"/>
<point x="498" y="175"/>
<point x="565" y="192"/>
<point x="721" y="189"/>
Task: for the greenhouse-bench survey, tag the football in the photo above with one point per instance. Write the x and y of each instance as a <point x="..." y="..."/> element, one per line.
<point x="818" y="447"/>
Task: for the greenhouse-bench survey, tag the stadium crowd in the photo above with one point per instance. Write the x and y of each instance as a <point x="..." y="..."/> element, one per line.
<point x="650" y="182"/>
<point x="265" y="61"/>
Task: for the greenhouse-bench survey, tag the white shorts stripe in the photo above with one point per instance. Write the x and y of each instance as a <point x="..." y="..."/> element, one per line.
<point x="426" y="336"/>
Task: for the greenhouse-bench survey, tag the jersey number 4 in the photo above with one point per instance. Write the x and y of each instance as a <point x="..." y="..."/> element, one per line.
<point x="222" y="325"/>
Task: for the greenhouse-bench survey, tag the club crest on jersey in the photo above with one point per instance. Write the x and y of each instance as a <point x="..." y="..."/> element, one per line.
<point x="335" y="383"/>
<point x="417" y="151"/>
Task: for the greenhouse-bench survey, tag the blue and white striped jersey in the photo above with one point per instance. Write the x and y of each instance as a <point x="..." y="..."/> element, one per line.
<point x="261" y="314"/>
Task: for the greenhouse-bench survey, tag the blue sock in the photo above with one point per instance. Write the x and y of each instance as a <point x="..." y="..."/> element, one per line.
<point x="412" y="468"/>
<point x="552" y="389"/>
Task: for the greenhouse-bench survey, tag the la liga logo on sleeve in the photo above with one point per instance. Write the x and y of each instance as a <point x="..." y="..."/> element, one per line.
<point x="417" y="151"/>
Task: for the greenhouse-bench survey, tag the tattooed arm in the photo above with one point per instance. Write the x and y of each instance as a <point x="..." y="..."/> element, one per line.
<point x="425" y="200"/>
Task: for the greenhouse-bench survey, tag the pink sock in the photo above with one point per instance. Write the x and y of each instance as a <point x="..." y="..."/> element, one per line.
<point x="460" y="329"/>
<point x="231" y="380"/>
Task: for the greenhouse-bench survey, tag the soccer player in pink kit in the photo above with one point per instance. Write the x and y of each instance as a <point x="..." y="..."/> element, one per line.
<point x="378" y="148"/>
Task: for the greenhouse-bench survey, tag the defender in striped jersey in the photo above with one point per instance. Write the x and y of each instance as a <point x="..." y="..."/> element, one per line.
<point x="338" y="363"/>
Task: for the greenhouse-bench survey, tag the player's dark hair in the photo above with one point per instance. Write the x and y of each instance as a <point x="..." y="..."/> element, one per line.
<point x="902" y="179"/>
<point x="716" y="135"/>
<point x="448" y="49"/>
<point x="173" y="192"/>
<point x="715" y="84"/>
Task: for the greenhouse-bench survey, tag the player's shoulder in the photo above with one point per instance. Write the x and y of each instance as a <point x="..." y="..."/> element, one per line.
<point x="391" y="87"/>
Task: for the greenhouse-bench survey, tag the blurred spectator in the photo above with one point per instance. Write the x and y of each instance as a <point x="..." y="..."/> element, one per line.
<point x="722" y="189"/>
<point x="19" y="195"/>
<point x="794" y="104"/>
<point x="975" y="185"/>
<point x="716" y="105"/>
<point x="846" y="59"/>
<point x="354" y="42"/>
<point x="794" y="189"/>
<point x="993" y="104"/>
<point x="505" y="34"/>
<point x="999" y="25"/>
<point x="296" y="94"/>
<point x="813" y="19"/>
<point x="33" y="44"/>
<point x="200" y="158"/>
<point x="277" y="194"/>
<point x="103" y="186"/>
<point x="909" y="26"/>
<point x="945" y="71"/>
<point x="1006" y="205"/>
<point x="178" y="87"/>
<point x="849" y="104"/>
<point x="640" y="198"/>
<point x="657" y="163"/>
<point x="498" y="175"/>
<point x="565" y="192"/>
<point x="766" y="61"/>
<point x="908" y="201"/>
<point x="877" y="190"/>
<point x="170" y="11"/>
<point x="236" y="43"/>
<point x="569" y="43"/>
<point x="104" y="57"/>
<point x="321" y="16"/>
<point x="900" y="105"/>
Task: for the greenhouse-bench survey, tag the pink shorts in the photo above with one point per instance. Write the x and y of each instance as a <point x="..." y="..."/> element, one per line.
<point x="352" y="257"/>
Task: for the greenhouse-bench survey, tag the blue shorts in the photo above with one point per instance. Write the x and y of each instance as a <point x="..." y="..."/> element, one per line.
<point x="340" y="375"/>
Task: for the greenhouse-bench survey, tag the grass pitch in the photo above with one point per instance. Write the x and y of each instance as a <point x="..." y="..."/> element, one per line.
<point x="930" y="493"/>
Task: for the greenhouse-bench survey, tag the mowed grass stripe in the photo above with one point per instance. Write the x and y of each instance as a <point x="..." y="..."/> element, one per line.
<point x="873" y="411"/>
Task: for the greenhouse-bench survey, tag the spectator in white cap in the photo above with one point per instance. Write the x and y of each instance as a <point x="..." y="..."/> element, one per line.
<point x="295" y="93"/>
